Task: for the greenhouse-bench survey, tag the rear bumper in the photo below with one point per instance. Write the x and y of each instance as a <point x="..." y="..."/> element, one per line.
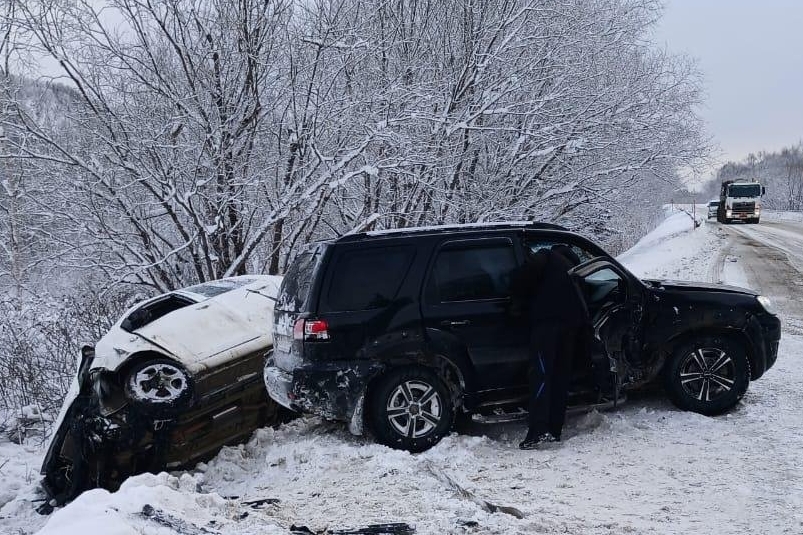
<point x="331" y="390"/>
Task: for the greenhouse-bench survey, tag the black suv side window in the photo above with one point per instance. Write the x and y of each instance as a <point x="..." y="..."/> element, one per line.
<point x="472" y="273"/>
<point x="367" y="279"/>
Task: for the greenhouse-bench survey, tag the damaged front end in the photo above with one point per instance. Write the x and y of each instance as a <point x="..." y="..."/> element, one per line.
<point x="101" y="437"/>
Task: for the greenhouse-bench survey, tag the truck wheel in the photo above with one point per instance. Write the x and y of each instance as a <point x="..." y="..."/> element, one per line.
<point x="158" y="386"/>
<point x="411" y="409"/>
<point x="708" y="375"/>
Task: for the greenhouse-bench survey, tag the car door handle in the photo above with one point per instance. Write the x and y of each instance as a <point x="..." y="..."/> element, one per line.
<point x="460" y="323"/>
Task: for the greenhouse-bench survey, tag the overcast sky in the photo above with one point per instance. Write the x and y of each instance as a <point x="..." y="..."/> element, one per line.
<point x="751" y="55"/>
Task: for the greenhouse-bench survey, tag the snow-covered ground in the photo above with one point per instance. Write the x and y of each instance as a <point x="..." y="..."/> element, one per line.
<point x="675" y="251"/>
<point x="644" y="468"/>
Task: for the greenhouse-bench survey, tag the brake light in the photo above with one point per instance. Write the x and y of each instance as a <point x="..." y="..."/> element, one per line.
<point x="316" y="330"/>
<point x="310" y="330"/>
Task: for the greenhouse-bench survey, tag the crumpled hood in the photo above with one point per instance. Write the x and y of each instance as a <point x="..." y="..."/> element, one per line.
<point x="699" y="286"/>
<point x="201" y="335"/>
<point x="204" y="329"/>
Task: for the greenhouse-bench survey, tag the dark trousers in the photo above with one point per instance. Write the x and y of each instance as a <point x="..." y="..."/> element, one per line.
<point x="552" y="349"/>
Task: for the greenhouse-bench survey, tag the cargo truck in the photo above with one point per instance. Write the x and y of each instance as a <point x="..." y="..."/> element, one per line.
<point x="740" y="201"/>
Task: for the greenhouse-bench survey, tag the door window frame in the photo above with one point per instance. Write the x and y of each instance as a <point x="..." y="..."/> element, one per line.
<point x="324" y="306"/>
<point x="589" y="267"/>
<point x="468" y="243"/>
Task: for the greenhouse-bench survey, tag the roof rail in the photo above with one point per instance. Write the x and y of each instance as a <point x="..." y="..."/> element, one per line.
<point x="500" y="225"/>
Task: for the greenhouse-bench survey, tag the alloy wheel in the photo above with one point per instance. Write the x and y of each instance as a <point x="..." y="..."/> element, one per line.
<point x="414" y="408"/>
<point x="160" y="383"/>
<point x="707" y="374"/>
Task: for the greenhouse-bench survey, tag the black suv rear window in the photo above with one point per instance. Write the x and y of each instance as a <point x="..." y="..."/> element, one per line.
<point x="368" y="278"/>
<point x="298" y="280"/>
<point x="472" y="273"/>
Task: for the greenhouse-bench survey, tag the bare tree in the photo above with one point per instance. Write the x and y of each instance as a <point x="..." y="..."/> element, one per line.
<point x="213" y="138"/>
<point x="516" y="110"/>
<point x="169" y="141"/>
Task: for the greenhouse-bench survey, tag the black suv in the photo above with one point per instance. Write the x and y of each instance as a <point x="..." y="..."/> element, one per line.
<point x="407" y="330"/>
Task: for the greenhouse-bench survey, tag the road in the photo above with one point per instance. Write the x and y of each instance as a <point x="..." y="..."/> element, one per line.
<point x="770" y="258"/>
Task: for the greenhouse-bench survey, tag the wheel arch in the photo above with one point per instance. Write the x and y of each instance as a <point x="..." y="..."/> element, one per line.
<point x="738" y="335"/>
<point x="446" y="368"/>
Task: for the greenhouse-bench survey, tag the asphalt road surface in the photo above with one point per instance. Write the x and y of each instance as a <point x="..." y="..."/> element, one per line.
<point x="770" y="256"/>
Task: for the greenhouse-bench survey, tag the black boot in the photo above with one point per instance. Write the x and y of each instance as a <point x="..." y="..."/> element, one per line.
<point x="532" y="440"/>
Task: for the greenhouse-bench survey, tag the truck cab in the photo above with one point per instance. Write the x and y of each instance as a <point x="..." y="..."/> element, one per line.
<point x="740" y="201"/>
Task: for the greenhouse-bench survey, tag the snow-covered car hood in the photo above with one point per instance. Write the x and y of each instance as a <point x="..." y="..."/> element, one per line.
<point x="698" y="286"/>
<point x="200" y="335"/>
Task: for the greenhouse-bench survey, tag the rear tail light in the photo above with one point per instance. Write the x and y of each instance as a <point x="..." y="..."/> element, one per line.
<point x="310" y="330"/>
<point x="316" y="330"/>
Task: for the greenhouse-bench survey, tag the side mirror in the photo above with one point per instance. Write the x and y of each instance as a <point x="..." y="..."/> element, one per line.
<point x="763" y="191"/>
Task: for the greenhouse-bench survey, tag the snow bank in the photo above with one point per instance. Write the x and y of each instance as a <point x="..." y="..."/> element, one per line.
<point x="153" y="504"/>
<point x="772" y="215"/>
<point x="676" y="250"/>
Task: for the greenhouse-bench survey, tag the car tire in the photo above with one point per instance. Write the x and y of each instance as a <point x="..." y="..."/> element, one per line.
<point x="707" y="375"/>
<point x="411" y="409"/>
<point x="158" y="386"/>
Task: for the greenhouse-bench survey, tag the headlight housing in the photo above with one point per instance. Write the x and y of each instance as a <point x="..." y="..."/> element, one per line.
<point x="766" y="304"/>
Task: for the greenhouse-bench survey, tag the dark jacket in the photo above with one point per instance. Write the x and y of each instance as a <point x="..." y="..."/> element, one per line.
<point x="544" y="287"/>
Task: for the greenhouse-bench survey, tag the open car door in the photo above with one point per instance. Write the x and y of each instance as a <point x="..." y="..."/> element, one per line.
<point x="615" y="304"/>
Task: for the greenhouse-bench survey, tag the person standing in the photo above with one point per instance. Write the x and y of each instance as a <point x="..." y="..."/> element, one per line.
<point x="558" y="318"/>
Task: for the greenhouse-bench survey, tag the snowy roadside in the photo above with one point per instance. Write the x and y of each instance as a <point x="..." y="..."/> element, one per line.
<point x="645" y="468"/>
<point x="772" y="215"/>
<point x="676" y="250"/>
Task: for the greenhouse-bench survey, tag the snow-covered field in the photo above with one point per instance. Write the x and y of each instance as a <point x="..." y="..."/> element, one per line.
<point x="644" y="468"/>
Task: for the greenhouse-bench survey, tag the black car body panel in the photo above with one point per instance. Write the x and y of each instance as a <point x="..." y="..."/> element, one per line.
<point x="680" y="309"/>
<point x="466" y="328"/>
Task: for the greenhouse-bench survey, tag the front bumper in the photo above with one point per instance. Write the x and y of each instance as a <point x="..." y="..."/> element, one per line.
<point x="764" y="331"/>
<point x="771" y="329"/>
<point x="332" y="390"/>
